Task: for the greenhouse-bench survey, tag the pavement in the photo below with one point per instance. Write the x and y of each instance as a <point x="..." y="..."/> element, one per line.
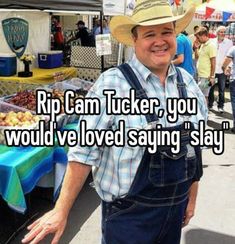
<point x="214" y="220"/>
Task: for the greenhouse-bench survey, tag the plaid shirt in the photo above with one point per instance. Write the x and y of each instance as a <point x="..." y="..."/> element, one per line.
<point x="114" y="167"/>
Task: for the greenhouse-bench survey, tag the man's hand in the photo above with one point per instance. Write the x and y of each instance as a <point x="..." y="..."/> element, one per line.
<point x="227" y="71"/>
<point x="189" y="213"/>
<point x="53" y="221"/>
<point x="211" y="81"/>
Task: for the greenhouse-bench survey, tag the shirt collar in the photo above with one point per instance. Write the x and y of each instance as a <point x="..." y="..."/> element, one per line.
<point x="208" y="41"/>
<point x="144" y="72"/>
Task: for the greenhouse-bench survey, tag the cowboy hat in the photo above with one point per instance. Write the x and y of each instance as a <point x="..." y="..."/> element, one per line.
<point x="146" y="13"/>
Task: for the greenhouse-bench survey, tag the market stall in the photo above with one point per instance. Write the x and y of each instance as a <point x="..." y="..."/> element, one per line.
<point x="22" y="167"/>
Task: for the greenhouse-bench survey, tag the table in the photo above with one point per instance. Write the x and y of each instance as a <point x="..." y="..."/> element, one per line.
<point x="44" y="76"/>
<point x="22" y="167"/>
<point x="12" y="84"/>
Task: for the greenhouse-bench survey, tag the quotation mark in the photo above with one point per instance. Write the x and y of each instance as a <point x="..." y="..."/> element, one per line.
<point x="187" y="125"/>
<point x="225" y="125"/>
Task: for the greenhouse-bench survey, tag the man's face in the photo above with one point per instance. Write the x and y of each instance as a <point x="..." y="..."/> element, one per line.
<point x="221" y="34"/>
<point x="155" y="46"/>
<point x="202" y="39"/>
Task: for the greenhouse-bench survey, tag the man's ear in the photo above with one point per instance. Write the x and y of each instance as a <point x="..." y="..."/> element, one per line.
<point x="134" y="38"/>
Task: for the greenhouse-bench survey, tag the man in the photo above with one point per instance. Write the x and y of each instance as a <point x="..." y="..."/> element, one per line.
<point x="192" y="36"/>
<point x="231" y="58"/>
<point x="86" y="38"/>
<point x="142" y="202"/>
<point x="58" y="34"/>
<point x="184" y="54"/>
<point x="105" y="27"/>
<point x="223" y="45"/>
<point x="206" y="56"/>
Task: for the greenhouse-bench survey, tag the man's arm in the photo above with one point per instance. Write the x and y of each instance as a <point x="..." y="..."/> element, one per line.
<point x="55" y="220"/>
<point x="179" y="59"/>
<point x="212" y="73"/>
<point x="189" y="213"/>
<point x="226" y="62"/>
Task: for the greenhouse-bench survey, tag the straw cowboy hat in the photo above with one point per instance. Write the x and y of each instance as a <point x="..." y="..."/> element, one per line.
<point x="148" y="12"/>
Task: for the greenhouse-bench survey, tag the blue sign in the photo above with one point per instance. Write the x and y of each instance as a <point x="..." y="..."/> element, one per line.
<point x="16" y="32"/>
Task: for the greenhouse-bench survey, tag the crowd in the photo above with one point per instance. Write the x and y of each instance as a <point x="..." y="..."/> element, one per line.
<point x="209" y="59"/>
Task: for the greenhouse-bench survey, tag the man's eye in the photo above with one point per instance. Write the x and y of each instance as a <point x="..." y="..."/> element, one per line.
<point x="167" y="32"/>
<point x="149" y="35"/>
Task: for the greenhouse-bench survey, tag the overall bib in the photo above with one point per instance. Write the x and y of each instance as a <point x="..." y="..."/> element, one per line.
<point x="153" y="210"/>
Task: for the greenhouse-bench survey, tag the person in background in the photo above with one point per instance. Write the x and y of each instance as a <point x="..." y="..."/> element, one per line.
<point x="146" y="197"/>
<point x="184" y="54"/>
<point x="223" y="45"/>
<point x="206" y="58"/>
<point x="96" y="24"/>
<point x="85" y="36"/>
<point x="210" y="33"/>
<point x="58" y="36"/>
<point x="227" y="70"/>
<point x="104" y="26"/>
<point x="194" y="41"/>
<point x="192" y="37"/>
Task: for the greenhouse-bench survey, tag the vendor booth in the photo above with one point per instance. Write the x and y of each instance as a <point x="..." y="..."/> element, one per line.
<point x="22" y="167"/>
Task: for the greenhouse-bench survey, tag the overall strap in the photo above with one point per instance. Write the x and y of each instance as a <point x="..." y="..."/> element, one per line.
<point x="135" y="84"/>
<point x="133" y="81"/>
<point x="180" y="84"/>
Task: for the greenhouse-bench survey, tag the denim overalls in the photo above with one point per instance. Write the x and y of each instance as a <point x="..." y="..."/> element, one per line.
<point x="154" y="208"/>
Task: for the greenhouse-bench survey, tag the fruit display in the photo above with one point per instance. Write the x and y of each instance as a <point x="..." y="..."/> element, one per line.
<point x="18" y="119"/>
<point x="27" y="99"/>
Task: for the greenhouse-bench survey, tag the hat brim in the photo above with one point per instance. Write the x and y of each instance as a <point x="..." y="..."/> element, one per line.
<point x="121" y="26"/>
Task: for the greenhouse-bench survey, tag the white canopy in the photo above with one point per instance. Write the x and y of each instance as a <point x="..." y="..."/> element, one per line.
<point x="118" y="7"/>
<point x="220" y="7"/>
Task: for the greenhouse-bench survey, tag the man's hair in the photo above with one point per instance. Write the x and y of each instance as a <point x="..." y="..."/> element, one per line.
<point x="80" y="22"/>
<point x="220" y="28"/>
<point x="134" y="31"/>
<point x="195" y="28"/>
<point x="202" y="31"/>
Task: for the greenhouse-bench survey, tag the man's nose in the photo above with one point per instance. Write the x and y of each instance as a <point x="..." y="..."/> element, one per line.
<point x="159" y="40"/>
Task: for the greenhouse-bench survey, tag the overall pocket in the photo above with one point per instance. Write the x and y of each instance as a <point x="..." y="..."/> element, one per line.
<point x="117" y="208"/>
<point x="171" y="169"/>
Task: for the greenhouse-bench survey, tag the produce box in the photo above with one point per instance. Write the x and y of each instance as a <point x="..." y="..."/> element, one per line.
<point x="62" y="86"/>
<point x="82" y="87"/>
<point x="13" y="117"/>
<point x="79" y="83"/>
<point x="50" y="59"/>
<point x="27" y="100"/>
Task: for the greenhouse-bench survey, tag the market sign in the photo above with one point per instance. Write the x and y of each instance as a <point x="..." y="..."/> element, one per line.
<point x="16" y="32"/>
<point x="215" y="17"/>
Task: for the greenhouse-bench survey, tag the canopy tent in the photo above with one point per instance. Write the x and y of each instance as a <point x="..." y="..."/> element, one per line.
<point x="66" y="5"/>
<point x="216" y="10"/>
<point x="118" y="7"/>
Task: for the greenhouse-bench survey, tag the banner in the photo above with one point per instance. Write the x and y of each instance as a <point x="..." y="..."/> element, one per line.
<point x="38" y="33"/>
<point x="16" y="33"/>
<point x="209" y="12"/>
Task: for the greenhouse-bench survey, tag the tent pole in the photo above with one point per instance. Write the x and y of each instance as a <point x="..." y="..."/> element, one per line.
<point x="121" y="46"/>
<point x="101" y="31"/>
